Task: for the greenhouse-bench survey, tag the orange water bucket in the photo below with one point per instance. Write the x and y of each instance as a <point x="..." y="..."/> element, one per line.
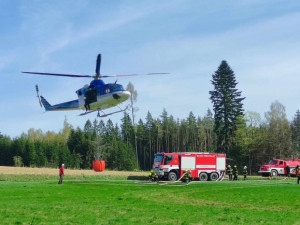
<point x="99" y="165"/>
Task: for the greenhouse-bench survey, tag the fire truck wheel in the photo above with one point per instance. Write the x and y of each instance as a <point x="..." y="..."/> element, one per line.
<point x="214" y="176"/>
<point x="274" y="173"/>
<point x="172" y="176"/>
<point x="203" y="176"/>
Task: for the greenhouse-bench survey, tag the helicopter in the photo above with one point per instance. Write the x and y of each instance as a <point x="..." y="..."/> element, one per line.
<point x="96" y="96"/>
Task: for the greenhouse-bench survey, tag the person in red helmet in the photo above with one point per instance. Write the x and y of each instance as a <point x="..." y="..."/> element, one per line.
<point x="61" y="173"/>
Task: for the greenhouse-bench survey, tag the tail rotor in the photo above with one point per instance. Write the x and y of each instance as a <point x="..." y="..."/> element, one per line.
<point x="38" y="95"/>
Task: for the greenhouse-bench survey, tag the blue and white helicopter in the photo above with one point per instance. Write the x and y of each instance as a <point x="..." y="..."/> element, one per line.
<point x="96" y="96"/>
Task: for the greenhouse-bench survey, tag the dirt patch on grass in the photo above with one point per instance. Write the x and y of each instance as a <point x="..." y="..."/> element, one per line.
<point x="49" y="171"/>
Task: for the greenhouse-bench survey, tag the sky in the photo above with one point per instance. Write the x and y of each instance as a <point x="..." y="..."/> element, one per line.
<point x="260" y="40"/>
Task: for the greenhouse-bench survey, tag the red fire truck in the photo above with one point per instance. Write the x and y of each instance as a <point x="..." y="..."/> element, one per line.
<point x="278" y="167"/>
<point x="205" y="166"/>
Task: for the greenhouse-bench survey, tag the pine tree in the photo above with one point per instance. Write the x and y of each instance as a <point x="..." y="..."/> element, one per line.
<point x="127" y="130"/>
<point x="227" y="105"/>
<point x="295" y="126"/>
<point x="149" y="133"/>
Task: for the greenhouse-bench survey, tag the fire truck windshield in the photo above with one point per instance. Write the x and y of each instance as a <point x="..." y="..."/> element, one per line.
<point x="272" y="162"/>
<point x="158" y="158"/>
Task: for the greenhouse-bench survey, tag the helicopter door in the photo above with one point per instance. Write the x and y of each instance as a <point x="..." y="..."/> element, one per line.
<point x="91" y="96"/>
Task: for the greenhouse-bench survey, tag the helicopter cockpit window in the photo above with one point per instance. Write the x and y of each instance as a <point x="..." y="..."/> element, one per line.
<point x="79" y="93"/>
<point x="107" y="90"/>
<point x="116" y="87"/>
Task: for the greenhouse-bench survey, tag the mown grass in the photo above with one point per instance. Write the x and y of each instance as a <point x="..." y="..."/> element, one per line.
<point x="98" y="200"/>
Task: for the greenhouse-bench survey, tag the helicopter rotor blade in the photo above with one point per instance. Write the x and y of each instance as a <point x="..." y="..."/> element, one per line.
<point x="127" y="75"/>
<point x="97" y="76"/>
<point x="98" y="64"/>
<point x="60" y="75"/>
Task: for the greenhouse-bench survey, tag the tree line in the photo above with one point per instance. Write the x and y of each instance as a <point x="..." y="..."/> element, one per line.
<point x="254" y="143"/>
<point x="246" y="138"/>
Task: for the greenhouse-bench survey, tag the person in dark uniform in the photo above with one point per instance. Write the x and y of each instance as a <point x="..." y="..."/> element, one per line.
<point x="235" y="173"/>
<point x="245" y="172"/>
<point x="61" y="173"/>
<point x="288" y="170"/>
<point x="298" y="173"/>
<point x="229" y="172"/>
<point x="187" y="177"/>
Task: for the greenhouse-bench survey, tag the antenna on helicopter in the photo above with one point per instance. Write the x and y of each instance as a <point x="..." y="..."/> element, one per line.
<point x="38" y="94"/>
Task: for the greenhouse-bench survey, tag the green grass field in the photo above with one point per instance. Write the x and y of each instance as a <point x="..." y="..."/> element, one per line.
<point x="114" y="200"/>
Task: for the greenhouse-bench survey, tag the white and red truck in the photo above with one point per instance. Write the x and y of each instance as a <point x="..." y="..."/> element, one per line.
<point x="205" y="166"/>
<point x="278" y="167"/>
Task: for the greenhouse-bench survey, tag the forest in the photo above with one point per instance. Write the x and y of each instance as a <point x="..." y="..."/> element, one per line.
<point x="255" y="141"/>
<point x="247" y="138"/>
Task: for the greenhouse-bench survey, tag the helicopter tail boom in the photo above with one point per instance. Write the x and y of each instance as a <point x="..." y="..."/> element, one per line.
<point x="71" y="105"/>
<point x="45" y="103"/>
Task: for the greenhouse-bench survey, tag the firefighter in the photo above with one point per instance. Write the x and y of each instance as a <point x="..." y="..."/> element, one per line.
<point x="187" y="177"/>
<point x="150" y="175"/>
<point x="61" y="173"/>
<point x="288" y="171"/>
<point x="153" y="176"/>
<point x="298" y="173"/>
<point x="245" y="172"/>
<point x="229" y="172"/>
<point x="235" y="173"/>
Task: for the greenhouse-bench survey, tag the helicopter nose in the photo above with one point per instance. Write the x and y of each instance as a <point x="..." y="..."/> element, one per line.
<point x="127" y="94"/>
<point x="122" y="96"/>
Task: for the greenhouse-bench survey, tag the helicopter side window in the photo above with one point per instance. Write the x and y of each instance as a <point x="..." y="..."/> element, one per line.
<point x="116" y="87"/>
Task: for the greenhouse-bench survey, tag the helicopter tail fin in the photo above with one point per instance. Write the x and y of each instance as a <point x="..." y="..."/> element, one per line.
<point x="45" y="103"/>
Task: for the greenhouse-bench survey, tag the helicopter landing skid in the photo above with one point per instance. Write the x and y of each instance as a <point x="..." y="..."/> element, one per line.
<point x="87" y="112"/>
<point x="108" y="114"/>
<point x="104" y="115"/>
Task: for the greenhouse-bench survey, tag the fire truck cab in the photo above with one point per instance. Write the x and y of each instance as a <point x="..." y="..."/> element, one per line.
<point x="278" y="167"/>
<point x="203" y="166"/>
